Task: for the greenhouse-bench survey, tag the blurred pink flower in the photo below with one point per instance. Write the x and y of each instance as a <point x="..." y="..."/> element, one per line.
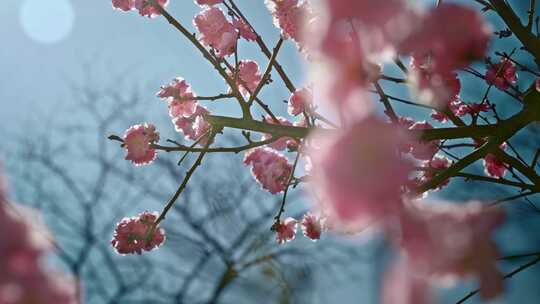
<point x="286" y="230"/>
<point x="502" y="75"/>
<point x="445" y="241"/>
<point x="402" y="286"/>
<point x="449" y="47"/>
<point x="216" y="31"/>
<point x="437" y="89"/>
<point x="270" y="168"/>
<point x="133" y="235"/>
<point x="420" y="149"/>
<point x="358" y="172"/>
<point x="137" y="140"/>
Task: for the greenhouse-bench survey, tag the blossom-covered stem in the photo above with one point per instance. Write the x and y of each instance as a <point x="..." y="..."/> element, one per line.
<point x="266" y="51"/>
<point x="508" y="275"/>
<point x="207" y="55"/>
<point x="264" y="106"/>
<point x="266" y="74"/>
<point x="189" y="173"/>
<point x="527" y="38"/>
<point x="518" y="121"/>
<point x="277" y="218"/>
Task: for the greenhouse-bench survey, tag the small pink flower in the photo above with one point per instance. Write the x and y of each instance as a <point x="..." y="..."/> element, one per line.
<point x="423" y="150"/>
<point x="137" y="141"/>
<point x="358" y="172"/>
<point x="147" y="9"/>
<point x="447" y="241"/>
<point x="283" y="142"/>
<point x="286" y="230"/>
<point x="449" y="47"/>
<point x="124" y="5"/>
<point x="270" y="168"/>
<point x="248" y="74"/>
<point x="312" y="226"/>
<point x="493" y="166"/>
<point x="194" y="126"/>
<point x="133" y="235"/>
<point x="300" y="101"/>
<point x="244" y="29"/>
<point x="180" y="98"/>
<point x="216" y="31"/>
<point x="502" y="75"/>
<point x="208" y="2"/>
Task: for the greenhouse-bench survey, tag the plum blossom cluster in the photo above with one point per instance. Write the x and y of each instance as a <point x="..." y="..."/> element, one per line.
<point x="24" y="279"/>
<point x="144" y="7"/>
<point x="312" y="227"/>
<point x="135" y="234"/>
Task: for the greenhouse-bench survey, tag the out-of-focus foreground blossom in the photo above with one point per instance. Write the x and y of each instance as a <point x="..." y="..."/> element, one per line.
<point x="137" y="141"/>
<point x="24" y="279"/>
<point x="444" y="242"/>
<point x="135" y="234"/>
<point x="358" y="172"/>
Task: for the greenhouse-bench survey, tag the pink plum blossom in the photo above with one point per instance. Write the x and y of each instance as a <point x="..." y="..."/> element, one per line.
<point x="208" y="2"/>
<point x="244" y="30"/>
<point x="502" y="75"/>
<point x="300" y="101"/>
<point x="434" y="166"/>
<point x="312" y="226"/>
<point x="147" y="9"/>
<point x="283" y="142"/>
<point x="269" y="168"/>
<point x="216" y="31"/>
<point x="423" y="150"/>
<point x="180" y="98"/>
<point x="358" y="172"/>
<point x="449" y="47"/>
<point x="124" y="5"/>
<point x="493" y="166"/>
<point x="137" y="141"/>
<point x="286" y="230"/>
<point x="289" y="16"/>
<point x="472" y="109"/>
<point x="445" y="241"/>
<point x="194" y="126"/>
<point x="135" y="234"/>
<point x="248" y="76"/>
